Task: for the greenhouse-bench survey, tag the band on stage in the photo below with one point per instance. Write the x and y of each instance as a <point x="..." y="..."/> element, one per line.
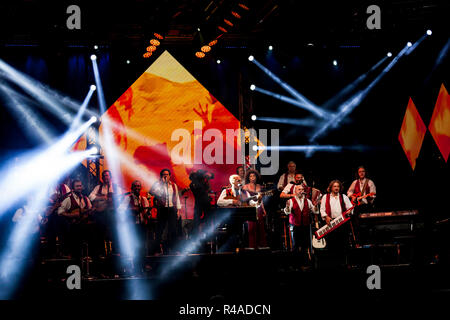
<point x="285" y="216"/>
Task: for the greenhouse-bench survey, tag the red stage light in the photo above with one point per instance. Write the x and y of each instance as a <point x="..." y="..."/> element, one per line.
<point x="212" y="43"/>
<point x="228" y="22"/>
<point x="151" y="48"/>
<point x="155" y="42"/>
<point x="158" y="36"/>
<point x="206" y="49"/>
<point x="243" y="6"/>
<point x="222" y="29"/>
<point x="199" y="54"/>
<point x="147" y="55"/>
<point x="235" y="14"/>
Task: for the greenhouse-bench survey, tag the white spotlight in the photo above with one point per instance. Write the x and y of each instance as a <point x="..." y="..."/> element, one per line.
<point x="198" y="29"/>
<point x="252" y="87"/>
<point x="250" y="58"/>
<point x="253" y="117"/>
<point x="255" y="148"/>
<point x="93" y="150"/>
<point x="429" y="32"/>
<point x="93" y="57"/>
<point x="409" y="44"/>
<point x="270" y="48"/>
<point x="93" y="87"/>
<point x="389" y="54"/>
<point x="96" y="47"/>
<point x="218" y="61"/>
<point x="128" y="61"/>
<point x="94" y="119"/>
<point x="334" y="63"/>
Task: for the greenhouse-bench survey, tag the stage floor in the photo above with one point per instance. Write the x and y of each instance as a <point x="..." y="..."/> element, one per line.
<point x="256" y="275"/>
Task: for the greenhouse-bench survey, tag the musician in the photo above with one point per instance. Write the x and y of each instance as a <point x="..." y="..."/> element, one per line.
<point x="240" y="171"/>
<point x="288" y="191"/>
<point x="169" y="206"/>
<point x="233" y="191"/>
<point x="256" y="229"/>
<point x="50" y="224"/>
<point x="102" y="200"/>
<point x="71" y="209"/>
<point x="105" y="189"/>
<point x="287" y="177"/>
<point x="200" y="189"/>
<point x="362" y="186"/>
<point x="300" y="210"/>
<point x="137" y="206"/>
<point x="333" y="205"/>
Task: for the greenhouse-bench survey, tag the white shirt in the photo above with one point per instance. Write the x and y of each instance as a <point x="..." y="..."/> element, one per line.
<point x="335" y="205"/>
<point x="104" y="191"/>
<point x="290" y="178"/>
<point x="290" y="204"/>
<point x="160" y="188"/>
<point x="126" y="202"/>
<point x="287" y="189"/>
<point x="66" y="204"/>
<point x="371" y="185"/>
<point x="222" y="202"/>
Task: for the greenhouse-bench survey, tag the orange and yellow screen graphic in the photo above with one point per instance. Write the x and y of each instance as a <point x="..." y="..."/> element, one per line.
<point x="145" y="120"/>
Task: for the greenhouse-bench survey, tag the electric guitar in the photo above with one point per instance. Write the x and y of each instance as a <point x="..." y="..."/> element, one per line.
<point x="245" y="202"/>
<point x="318" y="243"/>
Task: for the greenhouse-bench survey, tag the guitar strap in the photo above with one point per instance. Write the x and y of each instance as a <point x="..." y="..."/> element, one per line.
<point x="363" y="191"/>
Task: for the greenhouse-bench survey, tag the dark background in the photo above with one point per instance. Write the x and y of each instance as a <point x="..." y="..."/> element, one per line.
<point x="34" y="39"/>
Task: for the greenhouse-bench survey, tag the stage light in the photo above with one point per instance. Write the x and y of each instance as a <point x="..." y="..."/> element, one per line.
<point x="93" y="150"/>
<point x="94" y="119"/>
<point x="389" y="54"/>
<point x="128" y="61"/>
<point x="243" y="6"/>
<point x="218" y="61"/>
<point x="30" y="122"/>
<point x="310" y="44"/>
<point x="222" y="29"/>
<point x="93" y="57"/>
<point x="270" y="48"/>
<point x="154" y="42"/>
<point x="199" y="54"/>
<point x="147" y="55"/>
<point x="409" y="44"/>
<point x="351" y="103"/>
<point x="310" y="122"/>
<point x="228" y="22"/>
<point x="151" y="48"/>
<point x="300" y="101"/>
<point x="205" y="49"/>
<point x="429" y="32"/>
<point x="254" y="117"/>
<point x="198" y="29"/>
<point x="157" y="35"/>
<point x="93" y="87"/>
<point x="252" y="87"/>
<point x="236" y="15"/>
<point x="334" y="63"/>
<point x="95" y="47"/>
<point x="250" y="58"/>
<point x="212" y="43"/>
<point x="255" y="148"/>
<point x="49" y="99"/>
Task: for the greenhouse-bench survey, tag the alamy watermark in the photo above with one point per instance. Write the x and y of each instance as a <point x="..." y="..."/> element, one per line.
<point x="211" y="147"/>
